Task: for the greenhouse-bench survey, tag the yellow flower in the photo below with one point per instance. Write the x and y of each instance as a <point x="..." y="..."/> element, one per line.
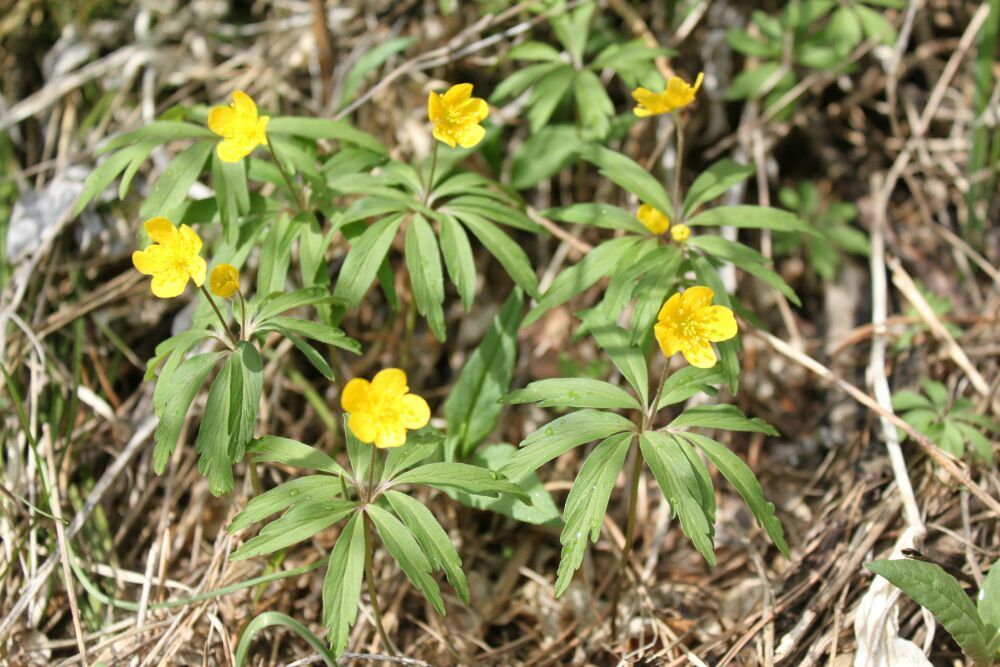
<point x="680" y="233"/>
<point x="688" y="323"/>
<point x="456" y="116"/>
<point x="653" y="219"/>
<point x="172" y="259"/>
<point x="382" y="410"/>
<point x="239" y="126"/>
<point x="677" y="94"/>
<point x="224" y="281"/>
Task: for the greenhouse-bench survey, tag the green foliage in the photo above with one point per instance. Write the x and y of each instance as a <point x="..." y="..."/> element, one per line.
<point x="951" y="422"/>
<point x="811" y="34"/>
<point x="974" y="630"/>
<point x="831" y="219"/>
<point x="407" y="528"/>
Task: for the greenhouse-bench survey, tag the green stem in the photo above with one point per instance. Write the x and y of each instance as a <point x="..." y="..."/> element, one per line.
<point x="370" y="579"/>
<point x="243" y="315"/>
<point x="633" y="496"/>
<point x="292" y="190"/>
<point x="430" y="180"/>
<point x="218" y="313"/>
<point x="678" y="206"/>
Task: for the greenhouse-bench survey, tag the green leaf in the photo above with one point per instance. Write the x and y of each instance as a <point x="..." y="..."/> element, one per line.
<point x="360" y="454"/>
<point x="652" y="290"/>
<point x="688" y="381"/>
<point x="561" y="435"/>
<point x="403" y="547"/>
<point x="593" y="103"/>
<point x="100" y="178"/>
<point x="541" y="511"/>
<point x="518" y="82"/>
<point x="272" y="449"/>
<point x="458" y="259"/>
<point x="325" y="128"/>
<point x="989" y="599"/>
<point x="281" y="302"/>
<point x="502" y="212"/>
<point x="531" y="50"/>
<point x="626" y="357"/>
<point x="543" y="155"/>
<point x="903" y="401"/>
<point x="629" y="175"/>
<point x="324" y="333"/>
<point x="626" y="56"/>
<point x="507" y="252"/>
<point x="342" y="584"/>
<point x="419" y="446"/>
<point x="215" y="436"/>
<point x="432" y="539"/>
<point x="472" y="408"/>
<point x="574" y="393"/>
<point x="930" y="586"/>
<point x="231" y="195"/>
<point x="598" y="215"/>
<point x="161" y="132"/>
<point x="369" y="62"/>
<point x="875" y="25"/>
<point x="598" y="263"/>
<point x="462" y="477"/>
<point x="299" y="523"/>
<point x="424" y="262"/>
<point x="178" y="390"/>
<point x="364" y="258"/>
<point x="169" y="192"/>
<point x="745" y="258"/>
<point x="758" y="217"/>
<point x="682" y="484"/>
<point x="747" y="45"/>
<point x="757" y="82"/>
<point x="742" y="478"/>
<point x="713" y="182"/>
<point x="726" y="417"/>
<point x="546" y="95"/>
<point x="292" y="493"/>
<point x="587" y="502"/>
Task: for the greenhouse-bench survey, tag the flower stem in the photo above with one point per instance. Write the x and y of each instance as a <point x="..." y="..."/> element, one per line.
<point x="369" y="550"/>
<point x="633" y="496"/>
<point x="218" y="314"/>
<point x="678" y="164"/>
<point x="430" y="178"/>
<point x="292" y="190"/>
<point x="243" y="315"/>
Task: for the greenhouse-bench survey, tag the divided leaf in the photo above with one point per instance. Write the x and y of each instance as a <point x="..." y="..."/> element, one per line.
<point x="342" y="583"/>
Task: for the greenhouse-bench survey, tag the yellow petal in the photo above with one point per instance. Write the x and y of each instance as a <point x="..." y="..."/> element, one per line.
<point x="244" y="104"/>
<point x="190" y="239"/>
<point x="457" y="94"/>
<point x="262" y="129"/>
<point x="697" y="84"/>
<point x="718" y="324"/>
<point x="363" y="426"/>
<point x="653" y="219"/>
<point x="444" y="136"/>
<point x="355" y="395"/>
<point x="668" y="311"/>
<point x="435" y="107"/>
<point x="224" y="281"/>
<point x="168" y="284"/>
<point x="150" y="261"/>
<point x="230" y="151"/>
<point x="669" y="344"/>
<point x="642" y="95"/>
<point x="415" y="413"/>
<point x="696" y="298"/>
<point x="699" y="353"/>
<point x="471" y="136"/>
<point x="389" y="380"/>
<point x="477" y="108"/>
<point x="642" y="112"/>
<point x="390" y="436"/>
<point x="196" y="268"/>
<point x="160" y="230"/>
<point x="220" y="120"/>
